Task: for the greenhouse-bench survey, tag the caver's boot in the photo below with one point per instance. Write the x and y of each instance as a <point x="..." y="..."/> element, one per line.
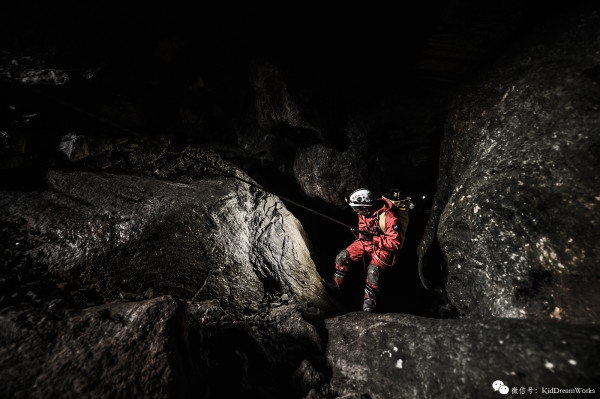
<point x="336" y="286"/>
<point x="370" y="301"/>
<point x="341" y="267"/>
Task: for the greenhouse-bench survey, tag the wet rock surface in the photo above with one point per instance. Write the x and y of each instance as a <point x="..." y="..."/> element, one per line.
<point x="516" y="211"/>
<point x="394" y="356"/>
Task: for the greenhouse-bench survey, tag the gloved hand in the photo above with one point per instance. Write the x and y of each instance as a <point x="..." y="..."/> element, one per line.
<point x="366" y="236"/>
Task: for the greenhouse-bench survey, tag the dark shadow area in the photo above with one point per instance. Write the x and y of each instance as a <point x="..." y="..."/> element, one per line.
<point x="235" y="362"/>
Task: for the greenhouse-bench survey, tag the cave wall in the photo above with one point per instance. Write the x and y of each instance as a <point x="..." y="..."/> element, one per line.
<point x="516" y="211"/>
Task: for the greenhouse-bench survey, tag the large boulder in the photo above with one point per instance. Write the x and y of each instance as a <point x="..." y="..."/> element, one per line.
<point x="124" y="235"/>
<point x="157" y="348"/>
<point x="402" y="356"/>
<point x="113" y="350"/>
<point x="330" y="174"/>
<point x="516" y="214"/>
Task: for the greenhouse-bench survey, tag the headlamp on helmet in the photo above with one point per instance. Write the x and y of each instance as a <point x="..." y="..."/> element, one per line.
<point x="361" y="198"/>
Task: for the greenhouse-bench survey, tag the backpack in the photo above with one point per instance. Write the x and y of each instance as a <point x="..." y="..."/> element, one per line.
<point x="400" y="207"/>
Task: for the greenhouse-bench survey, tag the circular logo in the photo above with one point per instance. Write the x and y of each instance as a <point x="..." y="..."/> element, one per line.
<point x="497" y="384"/>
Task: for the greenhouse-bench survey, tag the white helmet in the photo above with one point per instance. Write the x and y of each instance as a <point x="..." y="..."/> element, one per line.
<point x="361" y="198"/>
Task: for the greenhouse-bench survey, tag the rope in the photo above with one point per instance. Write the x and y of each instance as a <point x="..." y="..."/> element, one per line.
<point x="137" y="134"/>
<point x="279" y="196"/>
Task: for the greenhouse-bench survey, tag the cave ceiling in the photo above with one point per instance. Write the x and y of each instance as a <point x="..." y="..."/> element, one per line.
<point x="358" y="51"/>
<point x="158" y="70"/>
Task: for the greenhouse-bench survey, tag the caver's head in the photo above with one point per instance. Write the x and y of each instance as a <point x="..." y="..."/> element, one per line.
<point x="361" y="201"/>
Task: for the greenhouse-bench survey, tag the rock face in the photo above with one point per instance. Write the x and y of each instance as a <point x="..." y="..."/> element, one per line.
<point x="517" y="210"/>
<point x="135" y="286"/>
<point x="157" y="348"/>
<point x="116" y="235"/>
<point x="399" y="356"/>
<point x="106" y="351"/>
<point x="329" y="174"/>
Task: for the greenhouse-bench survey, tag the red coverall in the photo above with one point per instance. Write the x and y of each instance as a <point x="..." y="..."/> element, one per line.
<point x="381" y="250"/>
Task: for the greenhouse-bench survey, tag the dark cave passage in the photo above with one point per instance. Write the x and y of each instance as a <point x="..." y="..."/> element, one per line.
<point x="402" y="291"/>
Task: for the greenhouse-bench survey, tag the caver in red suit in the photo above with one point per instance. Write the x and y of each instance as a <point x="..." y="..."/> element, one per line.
<point x="373" y="243"/>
